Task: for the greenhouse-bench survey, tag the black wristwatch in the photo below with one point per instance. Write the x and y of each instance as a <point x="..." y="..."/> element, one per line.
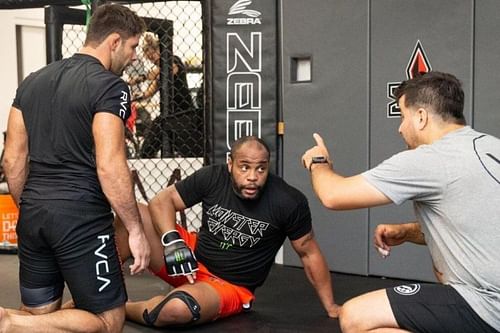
<point x="318" y="160"/>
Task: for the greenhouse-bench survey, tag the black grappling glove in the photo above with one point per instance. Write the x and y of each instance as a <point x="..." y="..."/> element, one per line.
<point x="179" y="258"/>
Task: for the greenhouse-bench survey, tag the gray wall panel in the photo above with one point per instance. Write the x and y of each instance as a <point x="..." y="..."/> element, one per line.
<point x="444" y="29"/>
<point x="334" y="104"/>
<point x="486" y="76"/>
<point x="357" y="48"/>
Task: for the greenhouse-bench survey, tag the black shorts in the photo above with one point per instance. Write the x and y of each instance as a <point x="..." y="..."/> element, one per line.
<point x="434" y="308"/>
<point x="73" y="242"/>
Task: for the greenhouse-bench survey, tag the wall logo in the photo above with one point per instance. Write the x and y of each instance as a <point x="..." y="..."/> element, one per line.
<point x="407" y="289"/>
<point x="419" y="64"/>
<point x="240" y="8"/>
<point x="243" y="85"/>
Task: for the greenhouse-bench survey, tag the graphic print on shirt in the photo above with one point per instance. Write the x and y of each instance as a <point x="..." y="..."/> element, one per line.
<point x="488" y="160"/>
<point x="237" y="229"/>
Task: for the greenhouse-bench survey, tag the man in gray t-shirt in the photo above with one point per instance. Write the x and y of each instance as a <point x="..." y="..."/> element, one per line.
<point x="452" y="175"/>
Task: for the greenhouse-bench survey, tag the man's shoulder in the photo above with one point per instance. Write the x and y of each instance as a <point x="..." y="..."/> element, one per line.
<point x="480" y="135"/>
<point x="283" y="190"/>
<point x="209" y="174"/>
<point x="93" y="71"/>
<point x="102" y="77"/>
<point x="47" y="70"/>
<point x="212" y="169"/>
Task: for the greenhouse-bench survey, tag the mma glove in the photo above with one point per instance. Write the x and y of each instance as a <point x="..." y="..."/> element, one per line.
<point x="179" y="258"/>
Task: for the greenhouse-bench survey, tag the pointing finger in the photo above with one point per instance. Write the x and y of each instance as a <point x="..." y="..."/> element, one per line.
<point x="319" y="140"/>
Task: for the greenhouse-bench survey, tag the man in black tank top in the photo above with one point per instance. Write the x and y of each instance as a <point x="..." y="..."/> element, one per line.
<point x="66" y="168"/>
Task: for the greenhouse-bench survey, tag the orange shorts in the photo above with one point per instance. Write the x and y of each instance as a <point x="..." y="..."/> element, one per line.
<point x="233" y="299"/>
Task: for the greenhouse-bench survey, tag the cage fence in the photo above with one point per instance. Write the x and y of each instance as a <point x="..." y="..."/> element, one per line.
<point x="165" y="135"/>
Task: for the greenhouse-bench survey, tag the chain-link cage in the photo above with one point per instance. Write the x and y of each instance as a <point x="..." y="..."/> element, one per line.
<point x="165" y="134"/>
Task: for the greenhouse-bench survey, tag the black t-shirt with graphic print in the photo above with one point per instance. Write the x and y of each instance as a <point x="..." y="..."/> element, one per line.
<point x="238" y="239"/>
<point x="58" y="104"/>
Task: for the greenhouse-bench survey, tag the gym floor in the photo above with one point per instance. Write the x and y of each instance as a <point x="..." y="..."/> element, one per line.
<point x="286" y="303"/>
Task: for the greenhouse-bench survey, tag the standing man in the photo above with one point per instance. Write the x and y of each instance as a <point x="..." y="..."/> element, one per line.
<point x="66" y="167"/>
<point x="247" y="215"/>
<point x="452" y="174"/>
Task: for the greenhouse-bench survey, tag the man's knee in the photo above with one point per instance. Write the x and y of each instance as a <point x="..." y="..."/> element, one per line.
<point x="176" y="312"/>
<point x="348" y="319"/>
<point x="178" y="308"/>
<point x="113" y="320"/>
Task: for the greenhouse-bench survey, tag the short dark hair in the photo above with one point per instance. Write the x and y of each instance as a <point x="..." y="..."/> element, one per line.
<point x="241" y="141"/>
<point x="440" y="91"/>
<point x="111" y="18"/>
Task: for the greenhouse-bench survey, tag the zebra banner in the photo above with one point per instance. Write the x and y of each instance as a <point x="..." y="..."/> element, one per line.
<point x="244" y="73"/>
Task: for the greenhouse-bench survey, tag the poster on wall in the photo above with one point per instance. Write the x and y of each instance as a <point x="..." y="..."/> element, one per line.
<point x="244" y="72"/>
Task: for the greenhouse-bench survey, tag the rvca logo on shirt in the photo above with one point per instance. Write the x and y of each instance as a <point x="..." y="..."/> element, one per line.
<point x="123" y="104"/>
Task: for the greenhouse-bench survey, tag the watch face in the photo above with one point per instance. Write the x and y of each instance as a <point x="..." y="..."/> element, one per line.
<point x="319" y="159"/>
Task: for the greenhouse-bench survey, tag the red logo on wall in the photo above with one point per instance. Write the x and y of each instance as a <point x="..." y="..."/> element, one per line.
<point x="419" y="64"/>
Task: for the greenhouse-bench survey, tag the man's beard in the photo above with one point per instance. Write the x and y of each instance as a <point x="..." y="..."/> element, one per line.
<point x="118" y="70"/>
<point x="238" y="190"/>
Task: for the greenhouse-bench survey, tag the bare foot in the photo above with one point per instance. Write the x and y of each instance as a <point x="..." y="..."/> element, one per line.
<point x="4" y="320"/>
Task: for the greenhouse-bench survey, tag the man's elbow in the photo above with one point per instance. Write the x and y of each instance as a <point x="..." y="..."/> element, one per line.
<point x="162" y="198"/>
<point x="9" y="163"/>
<point x="331" y="201"/>
<point x="4" y="165"/>
<point x="104" y="171"/>
<point x="154" y="202"/>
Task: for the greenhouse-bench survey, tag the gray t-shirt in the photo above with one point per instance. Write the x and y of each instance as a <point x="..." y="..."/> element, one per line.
<point x="455" y="186"/>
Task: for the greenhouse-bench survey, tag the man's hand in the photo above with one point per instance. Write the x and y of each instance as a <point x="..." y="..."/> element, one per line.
<point x="179" y="258"/>
<point x="319" y="150"/>
<point x="140" y="250"/>
<point x="387" y="235"/>
<point x="334" y="311"/>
